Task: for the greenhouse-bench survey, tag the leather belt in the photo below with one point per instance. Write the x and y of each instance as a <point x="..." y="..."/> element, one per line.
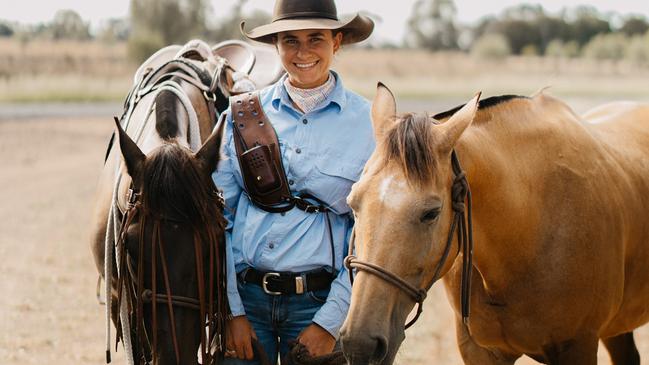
<point x="275" y="283"/>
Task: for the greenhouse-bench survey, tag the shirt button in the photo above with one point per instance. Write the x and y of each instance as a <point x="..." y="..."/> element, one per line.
<point x="282" y="214"/>
<point x="298" y="151"/>
<point x="304" y="121"/>
<point x="271" y="245"/>
<point x="291" y="182"/>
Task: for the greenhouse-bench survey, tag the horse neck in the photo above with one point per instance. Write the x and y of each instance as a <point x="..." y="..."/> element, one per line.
<point x="503" y="154"/>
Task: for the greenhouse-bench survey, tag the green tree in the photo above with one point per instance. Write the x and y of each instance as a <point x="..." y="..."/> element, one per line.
<point x="228" y="27"/>
<point x="6" y="30"/>
<point x="586" y="23"/>
<point x="635" y="25"/>
<point x="68" y="24"/>
<point x="158" y="23"/>
<point x="432" y="25"/>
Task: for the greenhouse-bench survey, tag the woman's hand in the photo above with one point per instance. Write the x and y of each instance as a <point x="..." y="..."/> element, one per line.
<point x="238" y="336"/>
<point x="317" y="340"/>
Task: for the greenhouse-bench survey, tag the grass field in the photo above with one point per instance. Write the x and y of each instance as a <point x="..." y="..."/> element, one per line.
<point x="92" y="71"/>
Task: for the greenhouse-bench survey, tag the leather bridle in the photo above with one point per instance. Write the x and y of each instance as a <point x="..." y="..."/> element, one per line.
<point x="137" y="295"/>
<point x="461" y="223"/>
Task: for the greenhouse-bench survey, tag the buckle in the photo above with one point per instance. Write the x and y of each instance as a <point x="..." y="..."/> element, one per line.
<point x="264" y="283"/>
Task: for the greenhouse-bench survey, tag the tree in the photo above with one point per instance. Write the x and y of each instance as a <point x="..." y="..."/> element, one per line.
<point x="6" y="30"/>
<point x="68" y="24"/>
<point x="158" y="23"/>
<point x="635" y="25"/>
<point x="228" y="27"/>
<point x="587" y="24"/>
<point x="432" y="25"/>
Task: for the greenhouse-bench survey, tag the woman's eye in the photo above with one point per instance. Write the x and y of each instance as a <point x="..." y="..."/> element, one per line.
<point x="430" y="215"/>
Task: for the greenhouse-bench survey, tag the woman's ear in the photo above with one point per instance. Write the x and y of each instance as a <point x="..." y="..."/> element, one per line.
<point x="338" y="40"/>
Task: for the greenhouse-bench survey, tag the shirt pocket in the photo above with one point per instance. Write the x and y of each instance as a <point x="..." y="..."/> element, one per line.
<point x="332" y="180"/>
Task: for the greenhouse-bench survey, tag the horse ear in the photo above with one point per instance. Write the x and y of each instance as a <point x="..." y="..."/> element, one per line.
<point x="453" y="128"/>
<point x="133" y="156"/>
<point x="209" y="154"/>
<point x="384" y="111"/>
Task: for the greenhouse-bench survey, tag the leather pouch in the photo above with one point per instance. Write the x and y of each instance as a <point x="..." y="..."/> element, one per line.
<point x="259" y="170"/>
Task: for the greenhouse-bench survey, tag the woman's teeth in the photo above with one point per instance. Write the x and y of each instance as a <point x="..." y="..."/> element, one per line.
<point x="306" y="65"/>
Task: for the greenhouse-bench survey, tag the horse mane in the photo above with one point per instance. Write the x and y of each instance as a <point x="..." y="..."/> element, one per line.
<point x="174" y="187"/>
<point x="410" y="140"/>
<point x="166" y="120"/>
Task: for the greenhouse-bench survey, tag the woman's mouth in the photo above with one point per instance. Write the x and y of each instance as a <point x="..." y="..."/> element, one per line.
<point x="305" y="66"/>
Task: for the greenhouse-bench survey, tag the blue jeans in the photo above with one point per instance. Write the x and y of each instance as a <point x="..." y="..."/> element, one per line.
<point x="277" y="319"/>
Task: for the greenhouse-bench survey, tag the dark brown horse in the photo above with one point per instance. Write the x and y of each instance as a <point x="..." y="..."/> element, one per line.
<point x="158" y="221"/>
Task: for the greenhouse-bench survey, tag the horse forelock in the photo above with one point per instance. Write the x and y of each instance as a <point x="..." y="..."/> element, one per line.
<point x="409" y="143"/>
<point x="174" y="186"/>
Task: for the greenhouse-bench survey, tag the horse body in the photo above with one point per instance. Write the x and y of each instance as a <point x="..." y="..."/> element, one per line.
<point x="168" y="159"/>
<point x="561" y="246"/>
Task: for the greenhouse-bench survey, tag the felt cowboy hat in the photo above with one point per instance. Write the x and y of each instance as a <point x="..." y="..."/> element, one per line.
<point x="291" y="15"/>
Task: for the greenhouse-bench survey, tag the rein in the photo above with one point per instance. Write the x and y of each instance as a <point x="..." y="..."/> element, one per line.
<point x="460" y="193"/>
<point x="138" y="296"/>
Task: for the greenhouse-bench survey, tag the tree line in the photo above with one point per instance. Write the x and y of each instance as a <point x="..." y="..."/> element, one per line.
<point x="433" y="25"/>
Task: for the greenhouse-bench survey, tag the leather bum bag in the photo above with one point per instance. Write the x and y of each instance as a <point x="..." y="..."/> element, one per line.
<point x="260" y="159"/>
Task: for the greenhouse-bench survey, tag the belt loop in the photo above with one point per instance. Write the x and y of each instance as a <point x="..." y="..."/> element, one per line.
<point x="242" y="275"/>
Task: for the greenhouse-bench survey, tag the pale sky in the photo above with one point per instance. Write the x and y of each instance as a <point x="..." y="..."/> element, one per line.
<point x="393" y="14"/>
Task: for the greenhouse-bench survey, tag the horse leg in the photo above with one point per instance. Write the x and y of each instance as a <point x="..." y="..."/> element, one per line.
<point x="474" y="354"/>
<point x="622" y="349"/>
<point x="581" y="351"/>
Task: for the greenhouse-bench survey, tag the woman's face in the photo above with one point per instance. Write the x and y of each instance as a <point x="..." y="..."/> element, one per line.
<point x="307" y="55"/>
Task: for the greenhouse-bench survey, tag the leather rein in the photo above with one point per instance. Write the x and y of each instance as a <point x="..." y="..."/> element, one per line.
<point x="214" y="319"/>
<point x="460" y="193"/>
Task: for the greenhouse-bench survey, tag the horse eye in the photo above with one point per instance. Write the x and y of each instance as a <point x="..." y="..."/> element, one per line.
<point x="430" y="215"/>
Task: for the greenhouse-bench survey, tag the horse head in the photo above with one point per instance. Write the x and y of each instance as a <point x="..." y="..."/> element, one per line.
<point x="404" y="211"/>
<point x="172" y="261"/>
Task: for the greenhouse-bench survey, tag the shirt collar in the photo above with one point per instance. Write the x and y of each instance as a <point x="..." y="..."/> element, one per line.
<point x="280" y="95"/>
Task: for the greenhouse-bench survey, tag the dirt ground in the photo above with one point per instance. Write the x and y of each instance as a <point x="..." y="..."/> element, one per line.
<point x="48" y="311"/>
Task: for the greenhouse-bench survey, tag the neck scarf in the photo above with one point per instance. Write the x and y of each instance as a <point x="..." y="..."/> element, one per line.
<point x="310" y="99"/>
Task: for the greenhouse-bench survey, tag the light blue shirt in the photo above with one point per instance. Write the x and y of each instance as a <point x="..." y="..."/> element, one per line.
<point x="323" y="153"/>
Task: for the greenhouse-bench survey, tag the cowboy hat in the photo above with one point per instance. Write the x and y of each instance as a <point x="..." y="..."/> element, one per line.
<point x="291" y="15"/>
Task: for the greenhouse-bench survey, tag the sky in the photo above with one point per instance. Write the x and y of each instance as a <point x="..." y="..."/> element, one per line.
<point x="390" y="27"/>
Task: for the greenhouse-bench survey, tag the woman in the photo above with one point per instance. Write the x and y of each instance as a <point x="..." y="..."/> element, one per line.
<point x="325" y="138"/>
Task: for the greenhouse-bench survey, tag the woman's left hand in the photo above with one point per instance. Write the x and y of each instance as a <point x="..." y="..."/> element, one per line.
<point x="317" y="340"/>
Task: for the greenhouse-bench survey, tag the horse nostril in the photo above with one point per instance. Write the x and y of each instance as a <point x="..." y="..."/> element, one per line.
<point x="381" y="349"/>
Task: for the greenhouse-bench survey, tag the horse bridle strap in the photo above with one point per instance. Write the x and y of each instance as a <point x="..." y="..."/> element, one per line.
<point x="460" y="193"/>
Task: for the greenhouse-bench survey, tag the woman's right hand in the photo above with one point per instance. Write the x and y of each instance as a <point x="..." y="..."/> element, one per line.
<point x="238" y="338"/>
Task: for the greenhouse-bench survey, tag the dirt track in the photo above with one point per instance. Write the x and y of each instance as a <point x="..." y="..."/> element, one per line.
<point x="48" y="311"/>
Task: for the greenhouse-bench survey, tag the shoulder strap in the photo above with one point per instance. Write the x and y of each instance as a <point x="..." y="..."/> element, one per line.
<point x="259" y="154"/>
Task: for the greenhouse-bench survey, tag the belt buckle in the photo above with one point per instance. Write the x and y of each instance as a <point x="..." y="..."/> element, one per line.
<point x="264" y="283"/>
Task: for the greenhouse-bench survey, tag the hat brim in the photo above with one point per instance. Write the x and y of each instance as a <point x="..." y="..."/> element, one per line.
<point x="355" y="29"/>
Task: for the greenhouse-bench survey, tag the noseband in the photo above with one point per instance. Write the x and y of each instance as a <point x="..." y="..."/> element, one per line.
<point x="462" y="223"/>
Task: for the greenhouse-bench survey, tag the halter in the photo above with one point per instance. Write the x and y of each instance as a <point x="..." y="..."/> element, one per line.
<point x="460" y="193"/>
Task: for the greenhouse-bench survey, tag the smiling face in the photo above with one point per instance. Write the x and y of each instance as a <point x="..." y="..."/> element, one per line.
<point x="307" y="55"/>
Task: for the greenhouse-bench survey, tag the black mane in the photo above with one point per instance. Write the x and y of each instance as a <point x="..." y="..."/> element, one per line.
<point x="483" y="104"/>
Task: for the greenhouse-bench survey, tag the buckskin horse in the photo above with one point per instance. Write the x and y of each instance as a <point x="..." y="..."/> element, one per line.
<point x="158" y="222"/>
<point x="561" y="250"/>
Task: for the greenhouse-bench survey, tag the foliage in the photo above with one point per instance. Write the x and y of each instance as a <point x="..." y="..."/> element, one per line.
<point x="68" y="24"/>
<point x="164" y="22"/>
<point x="560" y="49"/>
<point x="491" y="46"/>
<point x="6" y="30"/>
<point x="228" y="27"/>
<point x="635" y="25"/>
<point x="432" y="25"/>
<point x="114" y="30"/>
<point x="638" y="49"/>
<point x="607" y="47"/>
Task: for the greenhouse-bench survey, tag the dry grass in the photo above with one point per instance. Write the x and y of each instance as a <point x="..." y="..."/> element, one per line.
<point x="90" y="71"/>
